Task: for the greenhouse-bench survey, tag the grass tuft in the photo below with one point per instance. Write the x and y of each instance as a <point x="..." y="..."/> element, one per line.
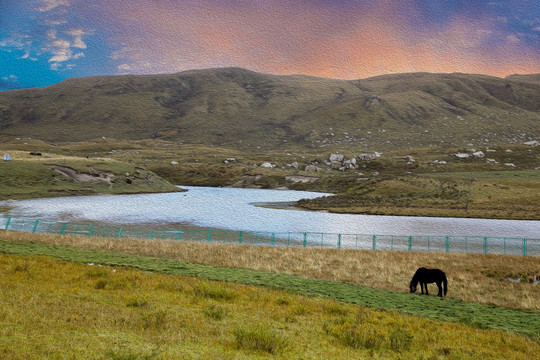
<point x="259" y="338"/>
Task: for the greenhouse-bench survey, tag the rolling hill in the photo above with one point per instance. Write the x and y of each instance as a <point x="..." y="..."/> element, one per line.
<point x="242" y="109"/>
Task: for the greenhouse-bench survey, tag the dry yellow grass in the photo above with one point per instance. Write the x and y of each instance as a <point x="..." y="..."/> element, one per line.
<point x="60" y="310"/>
<point x="472" y="277"/>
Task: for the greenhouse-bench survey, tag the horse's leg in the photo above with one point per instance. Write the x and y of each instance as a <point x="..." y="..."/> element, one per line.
<point x="425" y="284"/>
<point x="440" y="289"/>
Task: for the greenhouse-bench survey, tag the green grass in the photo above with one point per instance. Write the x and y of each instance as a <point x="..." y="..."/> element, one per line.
<point x="472" y="314"/>
<point x="30" y="177"/>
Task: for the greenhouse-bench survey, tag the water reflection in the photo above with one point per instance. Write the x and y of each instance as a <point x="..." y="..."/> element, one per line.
<point x="234" y="209"/>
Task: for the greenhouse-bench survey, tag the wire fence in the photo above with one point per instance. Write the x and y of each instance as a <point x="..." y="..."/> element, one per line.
<point x="435" y="243"/>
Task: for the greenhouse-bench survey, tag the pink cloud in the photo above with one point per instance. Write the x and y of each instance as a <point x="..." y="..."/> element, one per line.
<point x="169" y="36"/>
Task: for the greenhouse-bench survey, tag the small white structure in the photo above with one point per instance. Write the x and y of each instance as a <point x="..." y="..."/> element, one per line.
<point x="7" y="157"/>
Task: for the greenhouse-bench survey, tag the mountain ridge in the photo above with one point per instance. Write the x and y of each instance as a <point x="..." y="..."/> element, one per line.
<point x="245" y="109"/>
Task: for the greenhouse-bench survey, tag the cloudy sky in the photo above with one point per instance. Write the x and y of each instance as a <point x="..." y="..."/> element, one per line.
<point x="46" y="41"/>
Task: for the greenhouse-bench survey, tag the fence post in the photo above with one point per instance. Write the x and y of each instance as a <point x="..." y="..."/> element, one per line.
<point x="240" y="237"/>
<point x="305" y="239"/>
<point x="524" y="247"/>
<point x="120" y="232"/>
<point x="35" y="226"/>
<point x="7" y="224"/>
<point x="209" y="235"/>
<point x="273" y="238"/>
<point x="485" y="245"/>
<point x="410" y="243"/>
<point x="63" y="228"/>
<point x="339" y="241"/>
<point x="179" y="233"/>
<point x="150" y="234"/>
<point x="91" y="230"/>
<point x="374" y="241"/>
<point x="447" y="243"/>
<point x="288" y="239"/>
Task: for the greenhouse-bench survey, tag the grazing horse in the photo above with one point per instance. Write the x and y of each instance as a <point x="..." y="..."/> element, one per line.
<point x="427" y="276"/>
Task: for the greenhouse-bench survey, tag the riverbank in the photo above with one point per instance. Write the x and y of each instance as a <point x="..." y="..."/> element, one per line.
<point x="500" y="182"/>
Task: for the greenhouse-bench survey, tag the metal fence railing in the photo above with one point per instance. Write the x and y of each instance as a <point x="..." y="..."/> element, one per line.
<point x="436" y="243"/>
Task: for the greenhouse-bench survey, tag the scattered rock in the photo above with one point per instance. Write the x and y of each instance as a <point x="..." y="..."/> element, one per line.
<point x="462" y="155"/>
<point x="312" y="168"/>
<point x="267" y="165"/>
<point x="337" y="158"/>
<point x="478" y="154"/>
<point x="532" y="143"/>
<point x="373" y="101"/>
<point x="509" y="164"/>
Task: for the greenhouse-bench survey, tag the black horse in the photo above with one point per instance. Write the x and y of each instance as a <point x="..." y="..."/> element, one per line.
<point x="427" y="276"/>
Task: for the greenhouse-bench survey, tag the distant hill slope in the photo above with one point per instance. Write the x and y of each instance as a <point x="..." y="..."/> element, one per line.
<point x="241" y="108"/>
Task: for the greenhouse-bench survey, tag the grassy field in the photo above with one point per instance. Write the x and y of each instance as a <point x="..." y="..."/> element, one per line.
<point x="110" y="312"/>
<point x="473" y="277"/>
<point x="52" y="174"/>
<point x="75" y="308"/>
<point x="391" y="184"/>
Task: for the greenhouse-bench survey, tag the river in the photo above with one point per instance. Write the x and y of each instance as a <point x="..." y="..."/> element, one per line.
<point x="236" y="209"/>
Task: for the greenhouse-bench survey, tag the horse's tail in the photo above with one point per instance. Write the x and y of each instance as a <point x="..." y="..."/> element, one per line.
<point x="445" y="284"/>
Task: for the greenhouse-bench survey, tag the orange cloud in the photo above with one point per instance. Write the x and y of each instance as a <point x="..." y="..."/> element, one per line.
<point x="161" y="36"/>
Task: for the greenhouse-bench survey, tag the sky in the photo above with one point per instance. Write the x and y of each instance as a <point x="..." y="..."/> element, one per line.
<point x="46" y="41"/>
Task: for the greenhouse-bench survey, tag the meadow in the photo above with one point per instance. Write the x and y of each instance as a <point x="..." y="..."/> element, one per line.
<point x="136" y="299"/>
<point x="388" y="185"/>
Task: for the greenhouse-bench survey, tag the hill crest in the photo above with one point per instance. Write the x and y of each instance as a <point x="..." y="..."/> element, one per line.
<point x="241" y="108"/>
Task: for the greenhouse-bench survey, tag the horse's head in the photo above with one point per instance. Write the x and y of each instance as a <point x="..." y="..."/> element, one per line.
<point x="413" y="288"/>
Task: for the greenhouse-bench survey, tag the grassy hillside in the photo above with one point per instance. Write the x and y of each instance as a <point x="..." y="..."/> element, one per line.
<point x="75" y="308"/>
<point x="52" y="174"/>
<point x="243" y="109"/>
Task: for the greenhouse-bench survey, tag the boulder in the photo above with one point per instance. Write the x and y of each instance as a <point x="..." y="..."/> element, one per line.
<point x="312" y="168"/>
<point x="267" y="165"/>
<point x="478" y="154"/>
<point x="336" y="157"/>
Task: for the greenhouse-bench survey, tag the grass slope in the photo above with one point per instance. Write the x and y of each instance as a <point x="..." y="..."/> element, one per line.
<point x="51" y="174"/>
<point x="243" y="109"/>
<point x="477" y="315"/>
<point x="63" y="310"/>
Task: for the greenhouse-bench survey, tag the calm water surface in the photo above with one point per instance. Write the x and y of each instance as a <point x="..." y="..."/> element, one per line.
<point x="235" y="209"/>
